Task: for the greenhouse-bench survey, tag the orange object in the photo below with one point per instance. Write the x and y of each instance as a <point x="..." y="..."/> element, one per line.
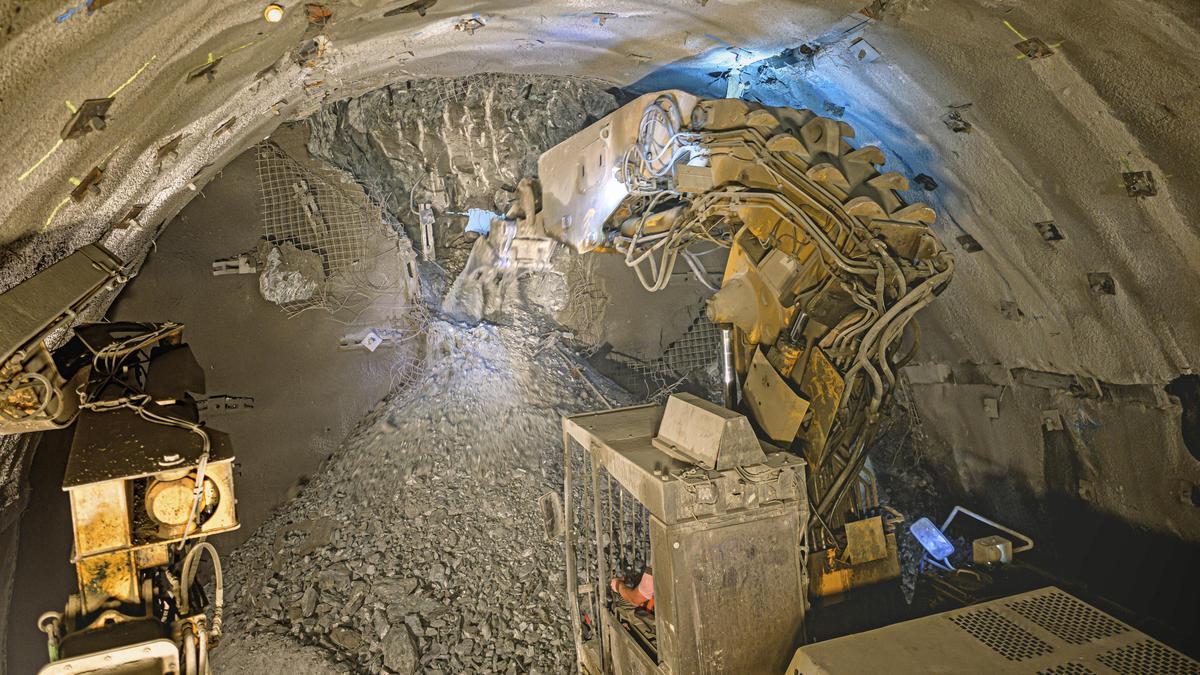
<point x="318" y="14"/>
<point x="641" y="596"/>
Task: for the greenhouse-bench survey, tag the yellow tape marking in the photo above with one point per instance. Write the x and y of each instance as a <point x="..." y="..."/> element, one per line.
<point x="133" y="77"/>
<point x="74" y="181"/>
<point x="59" y="142"/>
<point x="71" y="107"/>
<point x="39" y="162"/>
<point x="212" y="58"/>
<point x="1014" y="30"/>
<point x="55" y="212"/>
<point x="238" y="49"/>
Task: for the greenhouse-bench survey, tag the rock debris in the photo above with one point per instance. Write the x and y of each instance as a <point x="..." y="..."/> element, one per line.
<point x="419" y="546"/>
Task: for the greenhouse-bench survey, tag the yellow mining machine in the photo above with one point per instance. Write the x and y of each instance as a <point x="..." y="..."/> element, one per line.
<point x="826" y="268"/>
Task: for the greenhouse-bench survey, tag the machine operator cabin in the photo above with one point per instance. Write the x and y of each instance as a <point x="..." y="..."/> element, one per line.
<point x="790" y="337"/>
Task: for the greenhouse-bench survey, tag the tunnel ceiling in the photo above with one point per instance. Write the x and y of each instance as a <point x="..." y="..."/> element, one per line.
<point x="1102" y="299"/>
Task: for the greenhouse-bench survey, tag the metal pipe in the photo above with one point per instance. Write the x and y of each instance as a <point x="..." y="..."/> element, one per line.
<point x="572" y="589"/>
<point x="601" y="569"/>
<point x="202" y="651"/>
<point x="729" y="381"/>
<point x="189" y="650"/>
<point x="624" y="556"/>
<point x="1028" y="545"/>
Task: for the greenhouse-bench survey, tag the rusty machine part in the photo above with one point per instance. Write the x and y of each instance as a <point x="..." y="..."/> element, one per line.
<point x="147" y="480"/>
<point x="36" y="387"/>
<point x="826" y="268"/>
<point x="147" y="483"/>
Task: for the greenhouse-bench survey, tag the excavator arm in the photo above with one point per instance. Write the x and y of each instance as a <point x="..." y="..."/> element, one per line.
<point x="826" y="265"/>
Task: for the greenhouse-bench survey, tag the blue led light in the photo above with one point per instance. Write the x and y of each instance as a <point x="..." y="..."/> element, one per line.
<point x="936" y="543"/>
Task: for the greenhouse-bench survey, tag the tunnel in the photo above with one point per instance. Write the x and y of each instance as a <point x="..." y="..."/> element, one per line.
<point x="309" y="198"/>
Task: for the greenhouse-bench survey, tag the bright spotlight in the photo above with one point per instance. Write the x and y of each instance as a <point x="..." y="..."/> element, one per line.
<point x="273" y="13"/>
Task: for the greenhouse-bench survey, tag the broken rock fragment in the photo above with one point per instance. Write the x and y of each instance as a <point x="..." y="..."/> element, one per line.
<point x="290" y="274"/>
<point x="399" y="652"/>
<point x="346" y="638"/>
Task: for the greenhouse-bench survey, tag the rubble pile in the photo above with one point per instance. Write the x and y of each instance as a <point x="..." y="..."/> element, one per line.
<point x="419" y="546"/>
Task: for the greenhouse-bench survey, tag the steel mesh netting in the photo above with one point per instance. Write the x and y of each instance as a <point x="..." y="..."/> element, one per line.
<point x="693" y="354"/>
<point x="344" y="227"/>
<point x="306" y="211"/>
<point x="586" y="301"/>
<point x="406" y="340"/>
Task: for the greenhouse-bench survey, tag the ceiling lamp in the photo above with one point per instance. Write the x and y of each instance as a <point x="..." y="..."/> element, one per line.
<point x="273" y="13"/>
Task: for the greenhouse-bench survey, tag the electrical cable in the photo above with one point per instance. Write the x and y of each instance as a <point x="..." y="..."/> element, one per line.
<point x="187" y="577"/>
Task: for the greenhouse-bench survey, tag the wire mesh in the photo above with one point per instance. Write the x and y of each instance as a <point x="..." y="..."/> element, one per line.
<point x="586" y="300"/>
<point x="689" y="357"/>
<point x="408" y="336"/>
<point x="367" y="265"/>
<point x="306" y="211"/>
<point x="904" y="398"/>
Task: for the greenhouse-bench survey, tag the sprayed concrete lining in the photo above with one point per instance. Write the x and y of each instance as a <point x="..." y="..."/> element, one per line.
<point x="1049" y="142"/>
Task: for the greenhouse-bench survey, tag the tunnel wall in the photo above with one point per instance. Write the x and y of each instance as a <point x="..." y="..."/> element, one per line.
<point x="1049" y="141"/>
<point x="55" y="54"/>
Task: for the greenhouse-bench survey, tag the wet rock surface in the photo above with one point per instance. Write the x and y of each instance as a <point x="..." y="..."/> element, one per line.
<point x="419" y="547"/>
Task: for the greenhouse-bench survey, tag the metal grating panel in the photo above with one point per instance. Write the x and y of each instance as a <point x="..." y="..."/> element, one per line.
<point x="698" y="349"/>
<point x="1068" y="669"/>
<point x="1018" y="635"/>
<point x="1067" y="618"/>
<point x="689" y="357"/>
<point x="1148" y="656"/>
<point x="1002" y="635"/>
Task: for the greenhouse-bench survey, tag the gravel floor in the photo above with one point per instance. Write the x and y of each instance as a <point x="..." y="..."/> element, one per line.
<point x="418" y="547"/>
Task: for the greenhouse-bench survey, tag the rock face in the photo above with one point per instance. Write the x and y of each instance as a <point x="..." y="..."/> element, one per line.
<point x="455" y="144"/>
<point x="457" y="141"/>
<point x="419" y="546"/>
<point x="289" y="274"/>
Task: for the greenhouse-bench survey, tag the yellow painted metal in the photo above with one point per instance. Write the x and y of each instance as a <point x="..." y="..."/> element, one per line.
<point x="830" y="576"/>
<point x="110" y="554"/>
<point x="865" y="541"/>
<point x="105" y="577"/>
<point x="746" y="299"/>
<point x="823" y="385"/>
<point x="776" y="409"/>
<point x="100" y="516"/>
